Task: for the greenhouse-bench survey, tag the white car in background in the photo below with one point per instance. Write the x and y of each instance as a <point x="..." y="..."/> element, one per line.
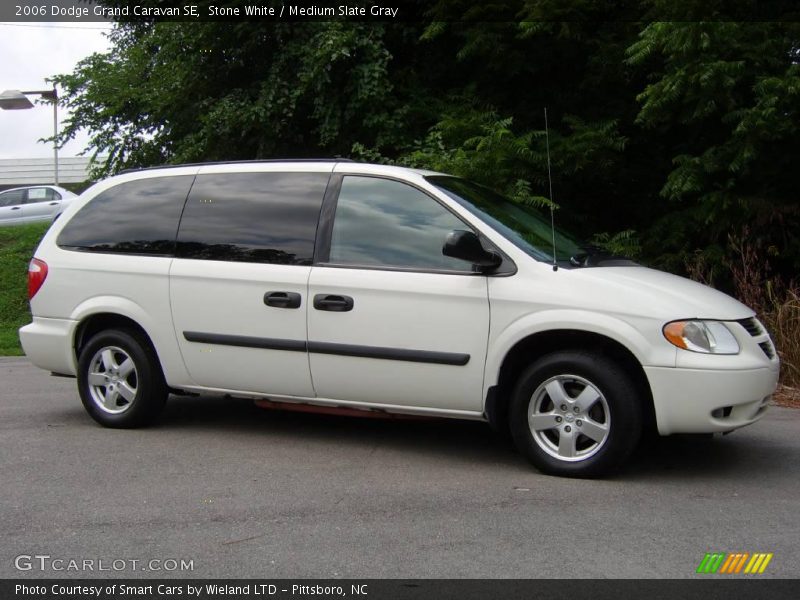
<point x="32" y="204"/>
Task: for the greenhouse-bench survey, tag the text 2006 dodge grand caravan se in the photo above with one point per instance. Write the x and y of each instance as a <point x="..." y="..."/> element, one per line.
<point x="382" y="288"/>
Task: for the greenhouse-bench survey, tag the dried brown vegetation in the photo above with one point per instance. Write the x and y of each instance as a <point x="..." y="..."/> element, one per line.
<point x="776" y="302"/>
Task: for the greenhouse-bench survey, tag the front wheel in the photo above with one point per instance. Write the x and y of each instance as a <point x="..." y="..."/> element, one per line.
<point x="576" y="414"/>
<point x="120" y="380"/>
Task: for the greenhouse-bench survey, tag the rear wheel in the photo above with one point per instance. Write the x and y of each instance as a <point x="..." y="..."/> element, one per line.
<point x="576" y="414"/>
<point x="120" y="380"/>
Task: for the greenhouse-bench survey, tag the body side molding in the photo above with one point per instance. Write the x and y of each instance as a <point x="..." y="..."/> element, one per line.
<point x="401" y="354"/>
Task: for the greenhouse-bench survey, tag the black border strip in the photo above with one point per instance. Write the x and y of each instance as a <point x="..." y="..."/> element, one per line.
<point x="408" y="11"/>
<point x="401" y="354"/>
<point x="414" y="589"/>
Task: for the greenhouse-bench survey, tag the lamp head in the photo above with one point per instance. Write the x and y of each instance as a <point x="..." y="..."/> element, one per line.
<point x="14" y="100"/>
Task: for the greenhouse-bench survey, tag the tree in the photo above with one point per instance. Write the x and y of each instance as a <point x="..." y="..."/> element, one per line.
<point x="678" y="131"/>
<point x="727" y="96"/>
<point x="183" y="92"/>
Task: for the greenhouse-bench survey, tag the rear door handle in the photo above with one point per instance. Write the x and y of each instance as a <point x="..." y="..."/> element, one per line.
<point x="333" y="303"/>
<point x="282" y="299"/>
<point x="15" y="207"/>
<point x="54" y="204"/>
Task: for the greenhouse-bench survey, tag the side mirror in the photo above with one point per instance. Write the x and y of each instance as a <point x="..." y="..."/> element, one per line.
<point x="466" y="246"/>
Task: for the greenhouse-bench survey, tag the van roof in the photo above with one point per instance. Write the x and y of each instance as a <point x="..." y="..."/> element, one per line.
<point x="238" y="162"/>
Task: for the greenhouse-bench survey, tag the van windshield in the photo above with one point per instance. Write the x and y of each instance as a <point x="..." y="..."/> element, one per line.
<point x="520" y="224"/>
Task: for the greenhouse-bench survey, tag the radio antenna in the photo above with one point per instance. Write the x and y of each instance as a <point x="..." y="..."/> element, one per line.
<point x="550" y="182"/>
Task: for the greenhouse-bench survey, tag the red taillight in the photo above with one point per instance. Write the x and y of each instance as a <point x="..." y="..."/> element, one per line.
<point x="37" y="272"/>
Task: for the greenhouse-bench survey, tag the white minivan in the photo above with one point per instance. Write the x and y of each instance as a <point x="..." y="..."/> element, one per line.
<point x="340" y="284"/>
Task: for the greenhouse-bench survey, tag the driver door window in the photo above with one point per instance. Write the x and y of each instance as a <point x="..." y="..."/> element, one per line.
<point x="385" y="223"/>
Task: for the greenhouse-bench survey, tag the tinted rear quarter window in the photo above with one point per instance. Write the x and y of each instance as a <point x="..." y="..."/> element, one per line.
<point x="137" y="217"/>
<point x="253" y="217"/>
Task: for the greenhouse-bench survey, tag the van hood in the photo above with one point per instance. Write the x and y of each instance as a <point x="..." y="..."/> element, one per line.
<point x="658" y="294"/>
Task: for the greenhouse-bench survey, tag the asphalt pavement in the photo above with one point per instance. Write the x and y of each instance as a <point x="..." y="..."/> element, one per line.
<point x="232" y="490"/>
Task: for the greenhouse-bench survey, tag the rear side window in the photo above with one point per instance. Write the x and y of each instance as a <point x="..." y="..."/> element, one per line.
<point x="253" y="217"/>
<point x="42" y="195"/>
<point x="137" y="217"/>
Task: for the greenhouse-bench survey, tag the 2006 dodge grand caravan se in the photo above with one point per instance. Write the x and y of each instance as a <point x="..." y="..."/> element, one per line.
<point x="382" y="288"/>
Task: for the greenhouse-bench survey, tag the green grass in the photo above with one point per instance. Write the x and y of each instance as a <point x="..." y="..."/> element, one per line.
<point x="17" y="244"/>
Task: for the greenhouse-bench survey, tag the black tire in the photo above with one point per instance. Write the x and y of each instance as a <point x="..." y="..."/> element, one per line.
<point x="598" y="437"/>
<point x="116" y="393"/>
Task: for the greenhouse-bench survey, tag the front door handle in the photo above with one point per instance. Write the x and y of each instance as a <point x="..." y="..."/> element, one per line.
<point x="333" y="303"/>
<point x="282" y="299"/>
<point x="15" y="208"/>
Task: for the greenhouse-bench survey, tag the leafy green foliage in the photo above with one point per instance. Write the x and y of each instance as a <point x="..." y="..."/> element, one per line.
<point x="623" y="243"/>
<point x="183" y="92"/>
<point x="729" y="95"/>
<point x="17" y="244"/>
<point x="679" y="131"/>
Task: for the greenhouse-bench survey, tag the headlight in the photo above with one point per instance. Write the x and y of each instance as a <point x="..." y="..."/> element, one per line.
<point x="708" y="337"/>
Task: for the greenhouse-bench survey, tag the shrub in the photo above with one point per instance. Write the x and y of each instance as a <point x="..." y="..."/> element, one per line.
<point x="776" y="302"/>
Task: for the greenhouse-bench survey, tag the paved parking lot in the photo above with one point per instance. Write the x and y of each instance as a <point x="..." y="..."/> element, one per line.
<point x="245" y="492"/>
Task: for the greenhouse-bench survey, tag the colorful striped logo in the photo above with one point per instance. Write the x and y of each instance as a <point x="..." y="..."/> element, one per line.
<point x="723" y="563"/>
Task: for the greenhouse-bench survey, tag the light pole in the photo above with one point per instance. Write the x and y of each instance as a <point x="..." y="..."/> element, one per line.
<point x="17" y="100"/>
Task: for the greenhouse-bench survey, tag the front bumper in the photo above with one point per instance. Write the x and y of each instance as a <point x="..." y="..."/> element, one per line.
<point x="48" y="344"/>
<point x="709" y="401"/>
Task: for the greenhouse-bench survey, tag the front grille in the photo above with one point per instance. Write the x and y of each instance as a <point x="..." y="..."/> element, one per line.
<point x="768" y="349"/>
<point x="752" y="326"/>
